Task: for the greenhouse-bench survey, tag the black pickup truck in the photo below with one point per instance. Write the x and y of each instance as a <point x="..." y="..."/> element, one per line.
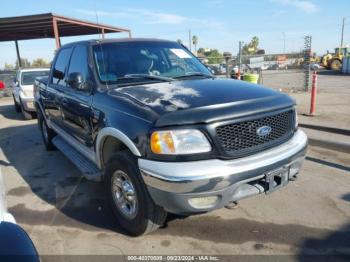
<point x="149" y="119"/>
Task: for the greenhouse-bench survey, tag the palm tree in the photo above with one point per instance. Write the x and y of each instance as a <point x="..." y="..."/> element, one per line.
<point x="195" y="42"/>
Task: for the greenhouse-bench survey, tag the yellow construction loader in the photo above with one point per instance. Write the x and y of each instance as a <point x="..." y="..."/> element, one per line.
<point x="334" y="61"/>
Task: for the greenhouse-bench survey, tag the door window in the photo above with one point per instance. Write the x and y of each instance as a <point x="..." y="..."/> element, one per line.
<point x="60" y="66"/>
<point x="79" y="63"/>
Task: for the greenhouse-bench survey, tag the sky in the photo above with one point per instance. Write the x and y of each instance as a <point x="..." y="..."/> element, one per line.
<point x="219" y="24"/>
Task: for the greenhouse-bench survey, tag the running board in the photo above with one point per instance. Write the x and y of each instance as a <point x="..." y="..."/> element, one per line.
<point x="88" y="169"/>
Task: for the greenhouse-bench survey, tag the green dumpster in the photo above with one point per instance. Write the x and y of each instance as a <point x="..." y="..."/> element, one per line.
<point x="251" y="78"/>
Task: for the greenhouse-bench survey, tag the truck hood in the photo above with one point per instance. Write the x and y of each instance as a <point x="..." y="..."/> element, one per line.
<point x="203" y="100"/>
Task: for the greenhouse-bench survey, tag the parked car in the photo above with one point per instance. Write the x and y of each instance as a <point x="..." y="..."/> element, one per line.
<point x="214" y="69"/>
<point x="312" y="66"/>
<point x="148" y="118"/>
<point x="23" y="90"/>
<point x="2" y="87"/>
<point x="15" y="244"/>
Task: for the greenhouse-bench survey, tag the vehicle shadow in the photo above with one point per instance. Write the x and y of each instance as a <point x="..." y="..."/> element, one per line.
<point x="73" y="201"/>
<point x="332" y="247"/>
<point x="346" y="197"/>
<point x="8" y="111"/>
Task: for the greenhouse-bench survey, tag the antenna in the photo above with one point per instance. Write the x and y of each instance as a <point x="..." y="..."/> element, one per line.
<point x="101" y="48"/>
<point x="96" y="15"/>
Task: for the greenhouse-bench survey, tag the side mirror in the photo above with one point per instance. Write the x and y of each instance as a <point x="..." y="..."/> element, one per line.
<point x="2" y="85"/>
<point x="75" y="80"/>
<point x="58" y="74"/>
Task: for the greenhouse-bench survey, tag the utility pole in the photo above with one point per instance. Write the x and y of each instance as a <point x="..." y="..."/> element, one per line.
<point x="240" y="55"/>
<point x="342" y="33"/>
<point x="190" y="40"/>
<point x="284" y="42"/>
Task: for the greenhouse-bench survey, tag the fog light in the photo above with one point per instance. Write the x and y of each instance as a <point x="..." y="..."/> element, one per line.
<point x="203" y="202"/>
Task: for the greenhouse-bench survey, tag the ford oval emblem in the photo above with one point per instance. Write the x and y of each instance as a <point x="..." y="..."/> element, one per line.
<point x="263" y="131"/>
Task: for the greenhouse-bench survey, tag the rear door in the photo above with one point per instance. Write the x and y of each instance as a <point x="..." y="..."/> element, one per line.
<point x="56" y="85"/>
<point x="76" y="103"/>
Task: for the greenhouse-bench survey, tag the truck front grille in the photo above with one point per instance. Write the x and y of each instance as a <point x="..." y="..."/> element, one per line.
<point x="242" y="138"/>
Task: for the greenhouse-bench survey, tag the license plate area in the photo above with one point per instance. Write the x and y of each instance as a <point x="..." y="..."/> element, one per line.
<point x="276" y="179"/>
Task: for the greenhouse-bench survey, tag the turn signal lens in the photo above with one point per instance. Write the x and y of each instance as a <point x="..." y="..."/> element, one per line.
<point x="179" y="142"/>
<point x="162" y="142"/>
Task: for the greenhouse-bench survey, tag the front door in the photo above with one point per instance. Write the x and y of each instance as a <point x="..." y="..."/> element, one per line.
<point x="75" y="103"/>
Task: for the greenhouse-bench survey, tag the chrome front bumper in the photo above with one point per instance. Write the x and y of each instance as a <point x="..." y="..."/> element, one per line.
<point x="173" y="181"/>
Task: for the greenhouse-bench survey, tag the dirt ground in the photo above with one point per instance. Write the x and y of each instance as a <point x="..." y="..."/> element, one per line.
<point x="65" y="214"/>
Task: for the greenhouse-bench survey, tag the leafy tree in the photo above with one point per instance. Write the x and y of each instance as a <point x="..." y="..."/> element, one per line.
<point x="25" y="63"/>
<point x="40" y="62"/>
<point x="9" y="66"/>
<point x="213" y="55"/>
<point x="201" y="51"/>
<point x="252" y="47"/>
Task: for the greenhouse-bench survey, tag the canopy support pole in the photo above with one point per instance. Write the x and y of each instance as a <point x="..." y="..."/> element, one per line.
<point x="18" y="55"/>
<point x="55" y="30"/>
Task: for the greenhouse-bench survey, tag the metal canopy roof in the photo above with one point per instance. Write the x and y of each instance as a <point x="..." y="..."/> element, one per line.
<point x="45" y="25"/>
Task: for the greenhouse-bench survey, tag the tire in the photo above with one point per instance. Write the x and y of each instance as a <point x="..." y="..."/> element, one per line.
<point x="139" y="214"/>
<point x="47" y="133"/>
<point x="26" y="115"/>
<point x="336" y="65"/>
<point x="17" y="106"/>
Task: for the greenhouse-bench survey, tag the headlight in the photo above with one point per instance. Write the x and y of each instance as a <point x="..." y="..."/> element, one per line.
<point x="179" y="142"/>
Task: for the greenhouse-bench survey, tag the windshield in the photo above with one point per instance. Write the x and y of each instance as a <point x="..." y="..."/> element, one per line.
<point x="115" y="62"/>
<point x="28" y="78"/>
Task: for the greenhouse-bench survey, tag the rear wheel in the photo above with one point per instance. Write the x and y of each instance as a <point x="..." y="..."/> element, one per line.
<point x="17" y="106"/>
<point x="336" y="64"/>
<point x="47" y="133"/>
<point x="131" y="203"/>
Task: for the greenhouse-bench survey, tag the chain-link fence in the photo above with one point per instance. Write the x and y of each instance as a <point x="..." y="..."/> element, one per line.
<point x="282" y="71"/>
<point x="7" y="78"/>
<point x="288" y="71"/>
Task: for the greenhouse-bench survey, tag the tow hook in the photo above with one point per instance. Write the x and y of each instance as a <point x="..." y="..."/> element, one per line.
<point x="232" y="205"/>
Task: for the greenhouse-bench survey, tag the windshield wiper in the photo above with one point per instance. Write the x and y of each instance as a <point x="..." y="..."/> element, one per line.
<point x="152" y="77"/>
<point x="191" y="74"/>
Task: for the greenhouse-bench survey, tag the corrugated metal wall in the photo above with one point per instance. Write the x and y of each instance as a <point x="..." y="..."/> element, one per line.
<point x="346" y="65"/>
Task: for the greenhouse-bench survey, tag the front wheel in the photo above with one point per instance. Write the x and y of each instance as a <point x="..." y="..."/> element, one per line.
<point x="26" y="115"/>
<point x="130" y="201"/>
<point x="17" y="106"/>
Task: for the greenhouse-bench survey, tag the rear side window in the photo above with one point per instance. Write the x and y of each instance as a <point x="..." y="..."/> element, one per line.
<point x="60" y="66"/>
<point x="79" y="62"/>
